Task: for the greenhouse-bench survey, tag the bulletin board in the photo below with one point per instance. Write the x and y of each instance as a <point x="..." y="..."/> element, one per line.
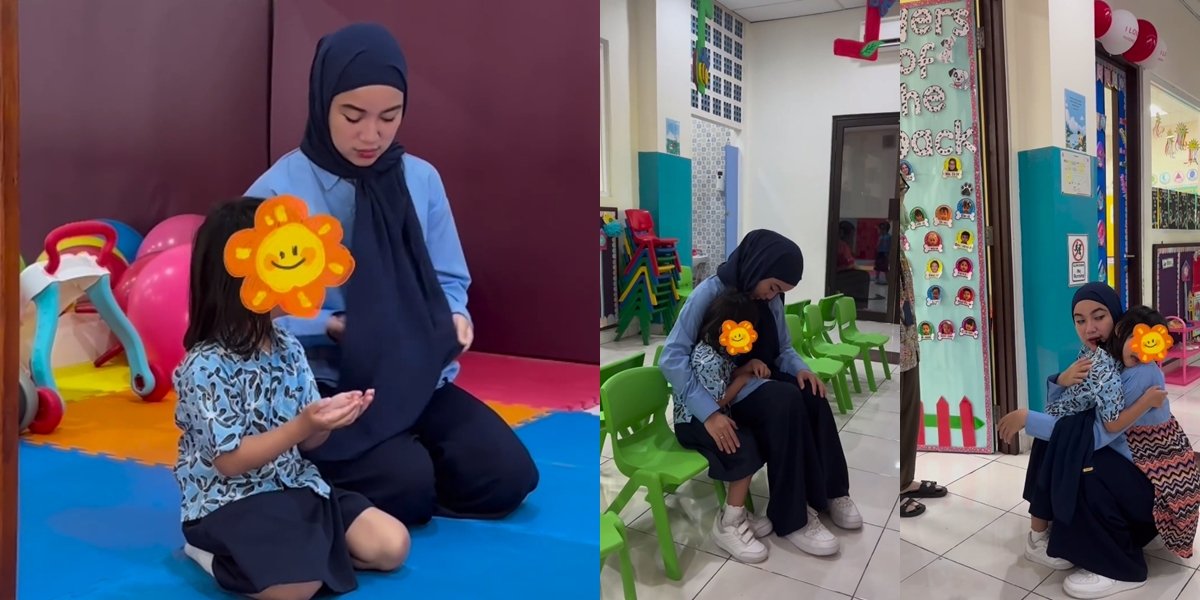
<point x="608" y="271"/>
<point x="1176" y="284"/>
<point x="943" y="234"/>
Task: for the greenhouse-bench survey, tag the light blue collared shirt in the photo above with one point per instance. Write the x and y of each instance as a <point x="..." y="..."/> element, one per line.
<point x="676" y="359"/>
<point x="326" y="193"/>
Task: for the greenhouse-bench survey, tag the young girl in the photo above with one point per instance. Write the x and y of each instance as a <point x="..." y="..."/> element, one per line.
<point x="735" y="529"/>
<point x="1158" y="445"/>
<point x="256" y="515"/>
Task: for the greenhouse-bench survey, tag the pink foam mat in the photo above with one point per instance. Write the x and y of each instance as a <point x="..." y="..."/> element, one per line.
<point x="532" y="382"/>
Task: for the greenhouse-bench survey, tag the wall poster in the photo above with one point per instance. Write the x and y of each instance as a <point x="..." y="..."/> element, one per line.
<point x="608" y="270"/>
<point x="944" y="240"/>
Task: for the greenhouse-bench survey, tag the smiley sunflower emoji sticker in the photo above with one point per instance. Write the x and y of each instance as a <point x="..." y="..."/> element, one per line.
<point x="738" y="338"/>
<point x="1150" y="344"/>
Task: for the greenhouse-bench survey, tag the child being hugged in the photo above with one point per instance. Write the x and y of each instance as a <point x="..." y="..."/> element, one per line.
<point x="1157" y="442"/>
<point x="256" y="515"/>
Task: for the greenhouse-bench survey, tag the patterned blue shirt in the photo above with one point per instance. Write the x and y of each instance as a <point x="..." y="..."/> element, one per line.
<point x="713" y="372"/>
<point x="328" y="194"/>
<point x="223" y="398"/>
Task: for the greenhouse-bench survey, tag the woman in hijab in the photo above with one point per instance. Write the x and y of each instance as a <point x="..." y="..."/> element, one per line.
<point x="778" y="416"/>
<point x="425" y="446"/>
<point x="1109" y="518"/>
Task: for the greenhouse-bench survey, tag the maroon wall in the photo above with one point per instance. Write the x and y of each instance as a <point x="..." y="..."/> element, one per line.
<point x="138" y="109"/>
<point x="504" y="102"/>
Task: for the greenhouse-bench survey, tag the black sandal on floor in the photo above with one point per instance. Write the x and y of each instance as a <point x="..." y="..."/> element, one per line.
<point x="928" y="489"/>
<point x="911" y="508"/>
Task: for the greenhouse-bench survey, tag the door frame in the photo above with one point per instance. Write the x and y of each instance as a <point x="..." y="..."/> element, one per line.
<point x="997" y="192"/>
<point x="1134" y="156"/>
<point x="840" y="124"/>
<point x="9" y="295"/>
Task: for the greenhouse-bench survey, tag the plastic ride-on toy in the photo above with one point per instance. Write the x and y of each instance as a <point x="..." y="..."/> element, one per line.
<point x="47" y="289"/>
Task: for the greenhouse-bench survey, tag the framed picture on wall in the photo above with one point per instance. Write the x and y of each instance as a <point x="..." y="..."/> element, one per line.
<point x="608" y="270"/>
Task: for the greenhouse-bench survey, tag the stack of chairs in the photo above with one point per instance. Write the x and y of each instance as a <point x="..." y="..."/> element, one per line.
<point x="650" y="273"/>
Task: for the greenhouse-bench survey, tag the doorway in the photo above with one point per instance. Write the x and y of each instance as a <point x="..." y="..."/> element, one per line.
<point x="1118" y="202"/>
<point x="864" y="213"/>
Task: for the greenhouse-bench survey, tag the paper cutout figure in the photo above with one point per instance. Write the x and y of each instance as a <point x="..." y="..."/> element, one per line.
<point x="738" y="338"/>
<point x="288" y="259"/>
<point x="964" y="242"/>
<point x="918" y="219"/>
<point x="942" y="216"/>
<point x="945" y="330"/>
<point x="963" y="268"/>
<point x="1151" y="344"/>
<point x="966" y="209"/>
<point x="925" y="331"/>
<point x="933" y="270"/>
<point x="906" y="171"/>
<point x="959" y="79"/>
<point x="933" y="296"/>
<point x="965" y="297"/>
<point x="968" y="189"/>
<point x="933" y="242"/>
<point x="953" y="168"/>
<point x="969" y="328"/>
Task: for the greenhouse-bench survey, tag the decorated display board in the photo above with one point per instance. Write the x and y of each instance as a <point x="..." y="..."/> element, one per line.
<point x="1176" y="283"/>
<point x="608" y="267"/>
<point x="942" y="226"/>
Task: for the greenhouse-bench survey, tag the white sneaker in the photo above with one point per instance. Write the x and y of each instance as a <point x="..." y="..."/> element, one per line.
<point x="813" y="538"/>
<point x="1086" y="584"/>
<point x="1035" y="551"/>
<point x="760" y="525"/>
<point x="844" y="513"/>
<point x="204" y="558"/>
<point x="731" y="531"/>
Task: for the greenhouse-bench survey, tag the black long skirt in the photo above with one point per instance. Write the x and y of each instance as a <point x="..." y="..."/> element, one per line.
<point x="280" y="537"/>
<point x="790" y="430"/>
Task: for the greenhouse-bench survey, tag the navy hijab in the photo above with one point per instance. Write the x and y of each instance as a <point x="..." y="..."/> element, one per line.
<point x="1102" y="293"/>
<point x="763" y="254"/>
<point x="399" y="332"/>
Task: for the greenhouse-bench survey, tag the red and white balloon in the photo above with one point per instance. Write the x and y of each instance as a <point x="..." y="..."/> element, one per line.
<point x="1121" y="33"/>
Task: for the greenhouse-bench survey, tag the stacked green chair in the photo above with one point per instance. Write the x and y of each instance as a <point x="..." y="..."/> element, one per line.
<point x="830" y="370"/>
<point x="797" y="308"/>
<point x="818" y="345"/>
<point x="828" y="306"/>
<point x="649" y="282"/>
<point x="614" y="367"/>
<point x="645" y="450"/>
<point x="847" y="325"/>
<point x="612" y="539"/>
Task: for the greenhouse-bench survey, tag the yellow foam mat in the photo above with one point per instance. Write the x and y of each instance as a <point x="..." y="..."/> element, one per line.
<point x="122" y="426"/>
<point x="85" y="381"/>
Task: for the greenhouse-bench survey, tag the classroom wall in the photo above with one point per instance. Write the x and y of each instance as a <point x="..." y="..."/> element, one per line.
<point x="138" y="109"/>
<point x="509" y="119"/>
<point x="798" y="86"/>
<point x="618" y="107"/>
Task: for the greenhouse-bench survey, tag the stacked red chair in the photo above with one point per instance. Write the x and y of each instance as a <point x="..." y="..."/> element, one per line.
<point x="650" y="271"/>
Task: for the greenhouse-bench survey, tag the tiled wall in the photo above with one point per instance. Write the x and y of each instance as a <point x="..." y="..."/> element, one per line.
<point x="708" y="204"/>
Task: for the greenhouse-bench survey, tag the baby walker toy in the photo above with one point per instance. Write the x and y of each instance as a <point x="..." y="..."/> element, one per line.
<point x="50" y="287"/>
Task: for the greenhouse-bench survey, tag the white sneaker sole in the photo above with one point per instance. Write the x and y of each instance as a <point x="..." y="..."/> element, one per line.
<point x="1116" y="588"/>
<point x="1058" y="564"/>
<point x="744" y="557"/>
<point x="852" y="524"/>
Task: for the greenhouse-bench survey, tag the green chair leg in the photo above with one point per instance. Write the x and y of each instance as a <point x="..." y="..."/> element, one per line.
<point x="844" y="392"/>
<point x="866" y="358"/>
<point x="603" y="431"/>
<point x="627" y="571"/>
<point x="887" y="369"/>
<point x="854" y="374"/>
<point x="662" y="524"/>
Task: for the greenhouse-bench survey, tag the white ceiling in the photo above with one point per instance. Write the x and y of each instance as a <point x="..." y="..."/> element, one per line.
<point x="769" y="10"/>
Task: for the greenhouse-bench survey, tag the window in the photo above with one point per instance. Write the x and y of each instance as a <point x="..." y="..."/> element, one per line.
<point x="728" y="44"/>
<point x="725" y="96"/>
<point x="737" y="72"/>
<point x="737" y="114"/>
<point x="728" y="22"/>
<point x="716" y="84"/>
<point x="728" y="91"/>
<point x="737" y="28"/>
<point x="737" y="92"/>
<point x="695" y="99"/>
<point x="716" y="61"/>
<point x="737" y="48"/>
<point x="705" y="102"/>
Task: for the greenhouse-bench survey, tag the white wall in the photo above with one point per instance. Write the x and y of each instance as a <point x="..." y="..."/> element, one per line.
<point x="622" y="159"/>
<point x="798" y="86"/>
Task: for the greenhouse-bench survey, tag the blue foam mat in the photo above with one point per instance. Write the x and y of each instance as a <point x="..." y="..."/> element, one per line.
<point x="97" y="528"/>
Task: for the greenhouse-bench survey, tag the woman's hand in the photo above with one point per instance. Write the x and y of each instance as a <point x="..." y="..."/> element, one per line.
<point x="1075" y="373"/>
<point x="810" y="378"/>
<point x="1154" y="397"/>
<point x="466" y="331"/>
<point x="722" y="429"/>
<point x="335" y="327"/>
<point x="1013" y="423"/>
<point x="754" y="367"/>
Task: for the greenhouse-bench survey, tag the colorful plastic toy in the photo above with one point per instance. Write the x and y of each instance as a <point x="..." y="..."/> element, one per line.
<point x="49" y="288"/>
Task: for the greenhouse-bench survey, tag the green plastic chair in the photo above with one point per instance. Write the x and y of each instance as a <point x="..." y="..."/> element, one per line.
<point x="797" y="308"/>
<point x="830" y="370"/>
<point x="645" y="450"/>
<point x="612" y="539"/>
<point x="817" y="345"/>
<point x="658" y="354"/>
<point x="612" y="368"/>
<point x="828" y="306"/>
<point x="847" y="324"/>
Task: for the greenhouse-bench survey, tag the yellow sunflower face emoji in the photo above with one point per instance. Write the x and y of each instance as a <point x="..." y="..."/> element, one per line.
<point x="738" y="338"/>
<point x="1150" y="344"/>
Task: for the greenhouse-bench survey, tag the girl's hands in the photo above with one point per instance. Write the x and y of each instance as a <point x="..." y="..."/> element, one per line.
<point x="328" y="414"/>
<point x="810" y="378"/>
<point x="722" y="429"/>
<point x="1075" y="373"/>
<point x="754" y="367"/>
<point x="1154" y="397"/>
<point x="1013" y="423"/>
<point x="464" y="330"/>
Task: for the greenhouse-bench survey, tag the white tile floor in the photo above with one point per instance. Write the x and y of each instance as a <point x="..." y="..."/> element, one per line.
<point x="868" y="566"/>
<point x="970" y="543"/>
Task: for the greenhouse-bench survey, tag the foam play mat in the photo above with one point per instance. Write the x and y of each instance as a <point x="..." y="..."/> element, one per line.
<point x="99" y="510"/>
